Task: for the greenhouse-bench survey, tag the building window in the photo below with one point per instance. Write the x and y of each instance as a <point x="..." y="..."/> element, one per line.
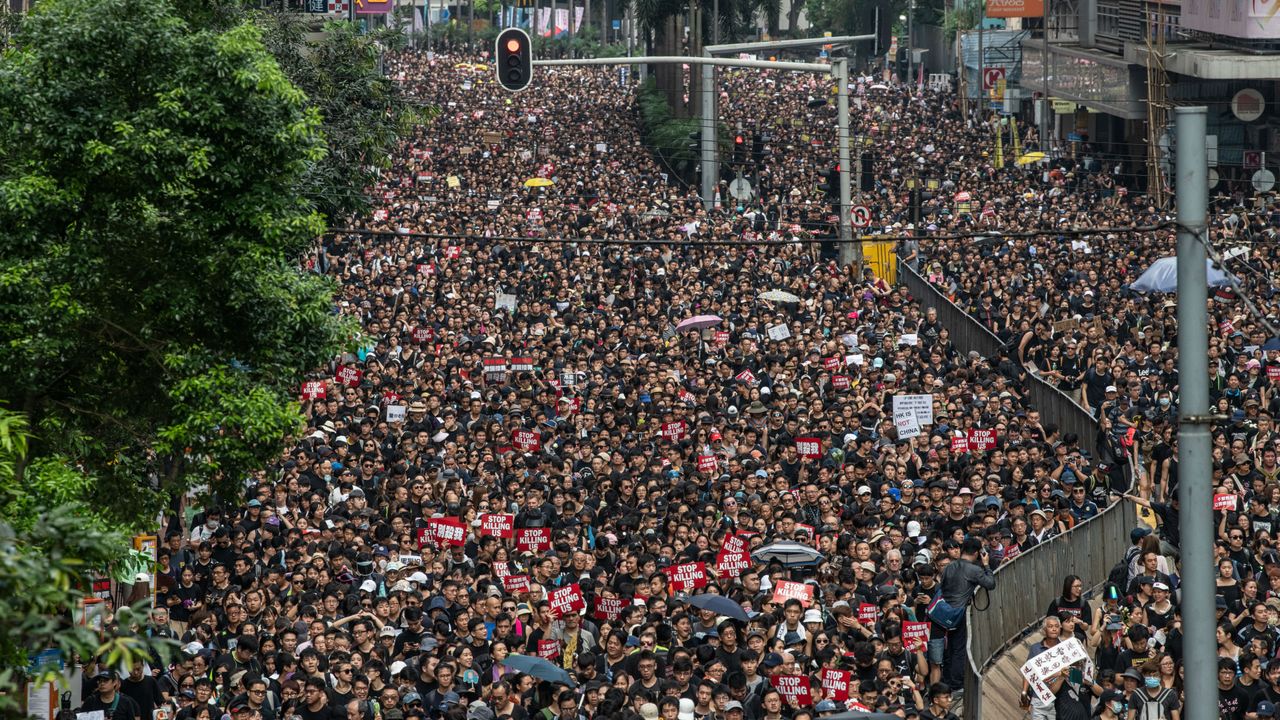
<point x="1109" y="19"/>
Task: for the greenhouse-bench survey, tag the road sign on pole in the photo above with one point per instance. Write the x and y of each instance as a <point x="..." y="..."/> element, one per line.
<point x="861" y="216"/>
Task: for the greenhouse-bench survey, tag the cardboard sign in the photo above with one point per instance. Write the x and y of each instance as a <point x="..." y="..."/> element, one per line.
<point x="516" y="584"/>
<point x="687" y="576"/>
<point x="1224" y="501"/>
<point x="526" y="440"/>
<point x="835" y="684"/>
<point x="732" y="564"/>
<point x="1063" y="325"/>
<point x="447" y="531"/>
<point x="809" y="448"/>
<point x="548" y="649"/>
<point x="313" y="390"/>
<point x="348" y="376"/>
<point x="607" y="608"/>
<point x="778" y="332"/>
<point x="794" y="689"/>
<point x="1050" y="663"/>
<point x="920" y="406"/>
<point x="959" y="443"/>
<point x="707" y="463"/>
<point x="566" y="600"/>
<point x="982" y="439"/>
<point x="534" y="540"/>
<point x="841" y="382"/>
<point x="674" y="431"/>
<point x="497" y="525"/>
<point x="396" y="413"/>
<point x="906" y="425"/>
<point x="785" y="590"/>
<point x="868" y="613"/>
<point x="915" y="635"/>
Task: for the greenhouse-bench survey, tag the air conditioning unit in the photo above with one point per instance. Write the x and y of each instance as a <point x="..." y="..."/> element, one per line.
<point x="1012" y="100"/>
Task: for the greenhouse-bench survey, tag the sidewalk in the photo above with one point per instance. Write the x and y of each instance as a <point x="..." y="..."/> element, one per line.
<point x="1002" y="683"/>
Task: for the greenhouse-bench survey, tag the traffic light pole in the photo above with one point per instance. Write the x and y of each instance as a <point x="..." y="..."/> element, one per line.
<point x="849" y="253"/>
<point x="710" y="168"/>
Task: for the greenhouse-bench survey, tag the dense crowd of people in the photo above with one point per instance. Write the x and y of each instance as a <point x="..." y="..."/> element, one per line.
<point x="534" y="492"/>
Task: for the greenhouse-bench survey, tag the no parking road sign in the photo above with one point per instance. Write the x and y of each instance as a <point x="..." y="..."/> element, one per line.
<point x="860" y="216"/>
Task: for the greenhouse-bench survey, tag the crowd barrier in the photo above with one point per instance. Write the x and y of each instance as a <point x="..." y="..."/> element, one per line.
<point x="1025" y="586"/>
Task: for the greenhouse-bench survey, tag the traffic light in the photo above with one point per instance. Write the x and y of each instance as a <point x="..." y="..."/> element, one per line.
<point x="866" y="183"/>
<point x="514" y="59"/>
<point x="739" y="148"/>
<point x="830" y="185"/>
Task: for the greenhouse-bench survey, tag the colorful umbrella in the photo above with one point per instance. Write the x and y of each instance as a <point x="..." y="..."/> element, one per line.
<point x="699" y="322"/>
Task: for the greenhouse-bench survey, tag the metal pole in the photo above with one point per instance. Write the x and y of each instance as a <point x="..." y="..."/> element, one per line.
<point x="911" y="55"/>
<point x="783" y="44"/>
<point x="695" y="60"/>
<point x="849" y="251"/>
<point x="876" y="52"/>
<point x="715" y="21"/>
<point x="710" y="168"/>
<point x="1195" y="471"/>
<point x="982" y="61"/>
<point x="1046" y="119"/>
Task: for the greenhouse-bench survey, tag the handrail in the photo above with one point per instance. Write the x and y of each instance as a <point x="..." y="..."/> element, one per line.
<point x="1034" y="577"/>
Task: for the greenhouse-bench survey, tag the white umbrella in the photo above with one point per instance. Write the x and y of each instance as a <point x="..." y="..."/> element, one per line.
<point x="788" y="553"/>
<point x="1162" y="276"/>
<point x="779" y="296"/>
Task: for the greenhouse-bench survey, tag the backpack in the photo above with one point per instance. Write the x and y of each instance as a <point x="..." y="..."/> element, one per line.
<point x="1153" y="708"/>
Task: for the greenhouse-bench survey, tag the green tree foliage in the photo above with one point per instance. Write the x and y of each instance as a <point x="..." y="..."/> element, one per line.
<point x="153" y="316"/>
<point x="46" y="549"/>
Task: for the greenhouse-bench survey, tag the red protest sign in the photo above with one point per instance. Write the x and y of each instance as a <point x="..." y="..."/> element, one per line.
<point x="498" y="525"/>
<point x="607" y="608"/>
<point x="523" y="363"/>
<point x="867" y="613"/>
<point x="982" y="439"/>
<point x="1273" y="372"/>
<point x="722" y="337"/>
<point x="566" y="600"/>
<point x="707" y="463"/>
<point x="423" y="334"/>
<point x="501" y="568"/>
<point x="447" y="531"/>
<point x="745" y="376"/>
<point x="794" y="689"/>
<point x="516" y="584"/>
<point x="453" y="252"/>
<point x="348" y="376"/>
<point x="959" y="443"/>
<point x="548" y="649"/>
<point x="841" y="382"/>
<point x="733" y="544"/>
<point x="526" y="440"/>
<point x="674" y="430"/>
<point x="835" y="684"/>
<point x="533" y="539"/>
<point x="1224" y="501"/>
<point x="915" y="635"/>
<point x="785" y="590"/>
<point x="809" y="448"/>
<point x="686" y="577"/>
<point x="732" y="563"/>
<point x="831" y="363"/>
<point x="312" y="390"/>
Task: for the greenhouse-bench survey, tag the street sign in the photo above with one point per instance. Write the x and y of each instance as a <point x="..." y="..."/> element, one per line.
<point x="1254" y="159"/>
<point x="861" y="216"/>
<point x="1263" y="180"/>
<point x="991" y="77"/>
<point x="741" y="189"/>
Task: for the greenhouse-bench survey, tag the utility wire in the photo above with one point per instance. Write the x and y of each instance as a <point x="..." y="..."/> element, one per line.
<point x="1221" y="263"/>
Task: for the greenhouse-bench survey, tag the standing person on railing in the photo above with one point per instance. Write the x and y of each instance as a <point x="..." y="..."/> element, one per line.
<point x="960" y="580"/>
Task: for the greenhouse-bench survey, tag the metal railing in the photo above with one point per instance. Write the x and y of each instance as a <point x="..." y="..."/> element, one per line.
<point x="1025" y="586"/>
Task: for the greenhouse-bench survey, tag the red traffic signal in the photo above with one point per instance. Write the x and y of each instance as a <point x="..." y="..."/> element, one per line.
<point x="513" y="57"/>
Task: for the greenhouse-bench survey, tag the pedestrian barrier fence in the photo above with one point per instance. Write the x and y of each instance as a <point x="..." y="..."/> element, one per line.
<point x="1026" y="585"/>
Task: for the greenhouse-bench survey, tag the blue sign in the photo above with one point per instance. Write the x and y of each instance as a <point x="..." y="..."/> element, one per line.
<point x="444" y="13"/>
<point x="1075" y="137"/>
<point x="617" y="24"/>
<point x="45" y="660"/>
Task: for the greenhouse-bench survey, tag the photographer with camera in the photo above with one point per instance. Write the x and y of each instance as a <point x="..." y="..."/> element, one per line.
<point x="960" y="580"/>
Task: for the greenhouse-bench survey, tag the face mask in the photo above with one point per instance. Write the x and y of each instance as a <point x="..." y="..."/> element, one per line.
<point x="1164" y="402"/>
<point x="1152" y="682"/>
<point x="1117" y="707"/>
<point x="211" y="524"/>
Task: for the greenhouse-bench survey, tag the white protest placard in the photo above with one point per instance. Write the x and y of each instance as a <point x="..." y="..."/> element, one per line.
<point x="919" y="405"/>
<point x="779" y="332"/>
<point x="602" y="147"/>
<point x="395" y="413"/>
<point x="908" y="339"/>
<point x="504" y="301"/>
<point x="907" y="425"/>
<point x="854" y="359"/>
<point x="1049" y="663"/>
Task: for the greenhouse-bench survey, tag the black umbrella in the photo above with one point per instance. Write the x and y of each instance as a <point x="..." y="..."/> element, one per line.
<point x="719" y="605"/>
